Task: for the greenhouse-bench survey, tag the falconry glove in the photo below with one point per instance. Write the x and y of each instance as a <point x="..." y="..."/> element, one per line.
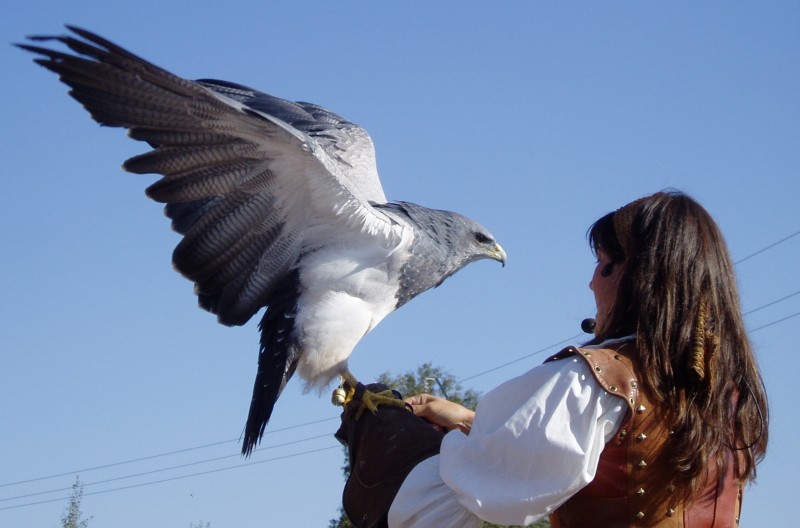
<point x="384" y="447"/>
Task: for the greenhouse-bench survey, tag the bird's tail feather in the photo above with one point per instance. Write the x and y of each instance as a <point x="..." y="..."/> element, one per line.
<point x="277" y="360"/>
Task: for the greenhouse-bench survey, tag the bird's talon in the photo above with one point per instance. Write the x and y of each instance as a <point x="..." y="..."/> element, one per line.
<point x="371" y="401"/>
<point x="344" y="394"/>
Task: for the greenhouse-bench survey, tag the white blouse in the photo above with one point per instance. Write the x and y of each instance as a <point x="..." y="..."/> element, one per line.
<point x="536" y="441"/>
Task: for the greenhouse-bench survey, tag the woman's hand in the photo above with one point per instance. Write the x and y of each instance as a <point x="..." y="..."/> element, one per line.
<point x="442" y="413"/>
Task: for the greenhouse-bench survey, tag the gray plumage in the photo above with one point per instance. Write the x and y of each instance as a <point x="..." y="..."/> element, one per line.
<point x="280" y="206"/>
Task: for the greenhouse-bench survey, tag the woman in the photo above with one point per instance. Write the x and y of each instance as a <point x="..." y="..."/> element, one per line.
<point x="658" y="421"/>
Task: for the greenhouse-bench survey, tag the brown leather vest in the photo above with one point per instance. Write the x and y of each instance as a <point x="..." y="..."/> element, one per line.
<point x="632" y="487"/>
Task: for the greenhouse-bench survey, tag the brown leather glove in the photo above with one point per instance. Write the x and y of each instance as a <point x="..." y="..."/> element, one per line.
<point x="384" y="447"/>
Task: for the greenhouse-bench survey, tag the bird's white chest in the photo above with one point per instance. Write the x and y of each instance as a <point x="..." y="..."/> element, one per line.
<point x="347" y="292"/>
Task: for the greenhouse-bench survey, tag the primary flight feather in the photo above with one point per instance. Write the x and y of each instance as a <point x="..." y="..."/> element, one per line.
<point x="280" y="206"/>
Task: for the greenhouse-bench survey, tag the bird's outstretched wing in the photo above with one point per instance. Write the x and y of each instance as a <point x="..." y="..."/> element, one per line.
<point x="252" y="182"/>
<point x="346" y="143"/>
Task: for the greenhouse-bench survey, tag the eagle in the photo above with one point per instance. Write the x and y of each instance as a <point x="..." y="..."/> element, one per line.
<point x="279" y="205"/>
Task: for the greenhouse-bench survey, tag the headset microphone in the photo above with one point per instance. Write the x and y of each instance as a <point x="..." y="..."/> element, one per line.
<point x="587" y="325"/>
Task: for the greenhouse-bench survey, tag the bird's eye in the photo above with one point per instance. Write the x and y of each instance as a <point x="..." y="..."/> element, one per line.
<point x="480" y="238"/>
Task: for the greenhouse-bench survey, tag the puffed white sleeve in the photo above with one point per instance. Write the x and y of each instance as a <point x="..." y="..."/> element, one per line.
<point x="535" y="441"/>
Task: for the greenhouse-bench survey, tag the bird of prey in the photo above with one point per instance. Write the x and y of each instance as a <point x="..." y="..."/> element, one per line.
<point x="280" y="206"/>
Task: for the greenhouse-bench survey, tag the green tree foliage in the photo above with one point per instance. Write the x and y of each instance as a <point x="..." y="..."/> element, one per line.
<point x="72" y="517"/>
<point x="433" y="380"/>
<point x="341" y="522"/>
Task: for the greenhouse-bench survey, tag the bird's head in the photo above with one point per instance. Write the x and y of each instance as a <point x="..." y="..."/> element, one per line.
<point x="452" y="240"/>
<point x="484" y="245"/>
<point x="473" y="241"/>
<point x="444" y="242"/>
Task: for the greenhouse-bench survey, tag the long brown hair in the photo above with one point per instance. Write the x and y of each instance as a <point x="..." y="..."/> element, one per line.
<point x="678" y="294"/>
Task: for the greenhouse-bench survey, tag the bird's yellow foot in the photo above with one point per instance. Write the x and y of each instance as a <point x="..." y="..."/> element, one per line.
<point x="346" y="393"/>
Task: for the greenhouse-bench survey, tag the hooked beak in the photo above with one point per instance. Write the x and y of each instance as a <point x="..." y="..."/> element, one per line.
<point x="498" y="254"/>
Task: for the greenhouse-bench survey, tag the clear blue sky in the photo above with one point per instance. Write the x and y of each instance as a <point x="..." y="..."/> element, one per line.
<point x="533" y="118"/>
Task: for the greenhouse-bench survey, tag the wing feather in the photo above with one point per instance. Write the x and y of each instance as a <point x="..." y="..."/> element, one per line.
<point x="172" y="161"/>
<point x="249" y="176"/>
<point x="348" y="144"/>
<point x="246" y="188"/>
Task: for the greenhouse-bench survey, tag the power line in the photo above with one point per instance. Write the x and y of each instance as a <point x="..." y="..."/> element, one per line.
<point x="150" y="457"/>
<point x="141" y="459"/>
<point x="161" y="470"/>
<point x="771" y="303"/>
<point x="781" y="241"/>
<point x="576" y="336"/>
<point x="526" y="356"/>
<point x="141" y="484"/>
<point x="774" y="322"/>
